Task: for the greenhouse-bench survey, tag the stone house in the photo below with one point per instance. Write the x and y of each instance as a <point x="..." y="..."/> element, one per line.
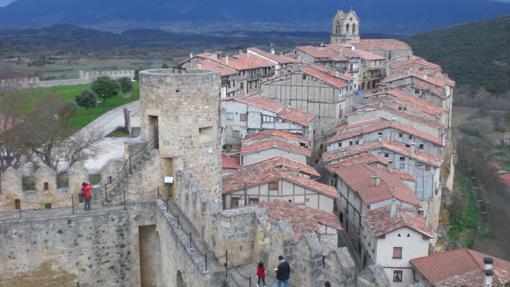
<point x="259" y="151"/>
<point x="363" y="188"/>
<point x="324" y="56"/>
<point x="305" y="220"/>
<point x="241" y="116"/>
<point x="435" y="88"/>
<point x="281" y="62"/>
<point x="313" y="89"/>
<point x="390" y="49"/>
<point x="461" y="267"/>
<point x="268" y="181"/>
<point x="392" y="237"/>
<point x="211" y="62"/>
<point x="384" y="111"/>
<point x="404" y="102"/>
<point x="424" y="168"/>
<point x="349" y="135"/>
<point x="414" y="63"/>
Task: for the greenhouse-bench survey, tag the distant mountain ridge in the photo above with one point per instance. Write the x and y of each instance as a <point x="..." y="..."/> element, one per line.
<point x="383" y="16"/>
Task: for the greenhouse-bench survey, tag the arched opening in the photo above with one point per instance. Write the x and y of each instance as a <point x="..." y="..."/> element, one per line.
<point x="354" y="29"/>
<point x="180" y="280"/>
<point x="347" y="28"/>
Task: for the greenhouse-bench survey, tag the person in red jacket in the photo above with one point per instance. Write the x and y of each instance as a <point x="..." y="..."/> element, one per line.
<point x="87" y="195"/>
<point x="261" y="275"/>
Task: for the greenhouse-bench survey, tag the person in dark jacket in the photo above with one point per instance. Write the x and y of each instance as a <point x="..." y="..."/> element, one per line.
<point x="282" y="273"/>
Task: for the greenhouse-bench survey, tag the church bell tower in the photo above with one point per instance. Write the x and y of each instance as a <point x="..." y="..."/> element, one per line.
<point x="345" y="28"/>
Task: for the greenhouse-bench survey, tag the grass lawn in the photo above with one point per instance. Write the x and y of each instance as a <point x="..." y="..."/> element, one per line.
<point x="84" y="116"/>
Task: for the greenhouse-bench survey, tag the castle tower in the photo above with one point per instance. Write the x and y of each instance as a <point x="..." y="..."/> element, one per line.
<point x="345" y="28"/>
<point x="180" y="117"/>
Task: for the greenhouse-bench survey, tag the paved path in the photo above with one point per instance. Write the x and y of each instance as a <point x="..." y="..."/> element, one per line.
<point x="110" y="121"/>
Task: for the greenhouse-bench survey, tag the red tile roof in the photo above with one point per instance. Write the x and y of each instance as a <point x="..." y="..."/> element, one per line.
<point x="401" y="149"/>
<point x="460" y="266"/>
<point x="284" y="112"/>
<point x="409" y="100"/>
<point x="381" y="45"/>
<point x="275" y="144"/>
<point x="404" y="176"/>
<point x="329" y="76"/>
<point x="380" y="222"/>
<point x="436" y="80"/>
<point x="414" y="61"/>
<point x="322" y="53"/>
<point x="303" y="219"/>
<point x="230" y="161"/>
<point x="242" y="61"/>
<point x="366" y="158"/>
<point x="281" y="164"/>
<point x="274" y="57"/>
<point x="261" y="173"/>
<point x="275" y="134"/>
<point x="360" y="179"/>
<point x="206" y="64"/>
<point x="366" y="127"/>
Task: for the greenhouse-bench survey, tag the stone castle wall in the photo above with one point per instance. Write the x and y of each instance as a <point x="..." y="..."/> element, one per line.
<point x="44" y="190"/>
<point x="84" y="78"/>
<point x="99" y="248"/>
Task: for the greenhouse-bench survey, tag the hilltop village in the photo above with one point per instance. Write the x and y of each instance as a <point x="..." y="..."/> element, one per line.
<point x="334" y="156"/>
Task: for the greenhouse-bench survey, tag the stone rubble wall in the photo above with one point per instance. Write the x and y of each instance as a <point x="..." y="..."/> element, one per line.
<point x="99" y="248"/>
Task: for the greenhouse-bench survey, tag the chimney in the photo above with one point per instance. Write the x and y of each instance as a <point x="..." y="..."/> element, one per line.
<point x="376" y="180"/>
<point x="353" y="48"/>
<point x="272" y="51"/>
<point x="425" y="76"/>
<point x="390" y="166"/>
<point x="393" y="209"/>
<point x="226" y="60"/>
<point x="337" y="74"/>
<point x="191" y="55"/>
<point x="488" y="263"/>
<point x="218" y="55"/>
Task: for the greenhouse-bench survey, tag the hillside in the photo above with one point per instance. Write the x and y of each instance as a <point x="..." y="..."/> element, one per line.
<point x="378" y="16"/>
<point x="474" y="55"/>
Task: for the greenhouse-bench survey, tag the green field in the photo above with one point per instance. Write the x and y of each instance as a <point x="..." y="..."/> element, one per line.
<point x="84" y="116"/>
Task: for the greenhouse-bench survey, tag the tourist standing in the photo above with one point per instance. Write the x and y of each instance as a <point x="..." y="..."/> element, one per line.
<point x="87" y="195"/>
<point x="261" y="275"/>
<point x="282" y="273"/>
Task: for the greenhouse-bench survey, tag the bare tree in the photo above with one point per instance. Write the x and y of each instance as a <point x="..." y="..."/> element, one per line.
<point x="45" y="136"/>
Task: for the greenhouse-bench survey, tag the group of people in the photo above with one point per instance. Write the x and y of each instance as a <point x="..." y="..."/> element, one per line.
<point x="85" y="194"/>
<point x="282" y="274"/>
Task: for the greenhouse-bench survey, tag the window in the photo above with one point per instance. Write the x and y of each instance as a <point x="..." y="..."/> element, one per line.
<point x="234" y="202"/>
<point x="386" y="155"/>
<point x="397" y="275"/>
<point x="46" y="186"/>
<point x="17" y="204"/>
<point x="422" y="146"/>
<point x="410" y="137"/>
<point x="267" y="119"/>
<point x="205" y="134"/>
<point x="110" y="180"/>
<point x="236" y="134"/>
<point x="427" y="167"/>
<point x="243" y="117"/>
<point x="402" y="165"/>
<point x="419" y="164"/>
<point x="397" y="252"/>
<point x="47" y="205"/>
<point x="379" y="133"/>
<point x="350" y="143"/>
<point x="400" y="135"/>
<point x="416" y="91"/>
<point x="402" y="158"/>
<point x="304" y="77"/>
<point x="230" y="116"/>
<point x="273" y="185"/>
<point x="253" y="201"/>
<point x="340" y="144"/>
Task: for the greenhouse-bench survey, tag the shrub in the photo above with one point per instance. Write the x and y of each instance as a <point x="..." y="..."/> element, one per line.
<point x="86" y="99"/>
